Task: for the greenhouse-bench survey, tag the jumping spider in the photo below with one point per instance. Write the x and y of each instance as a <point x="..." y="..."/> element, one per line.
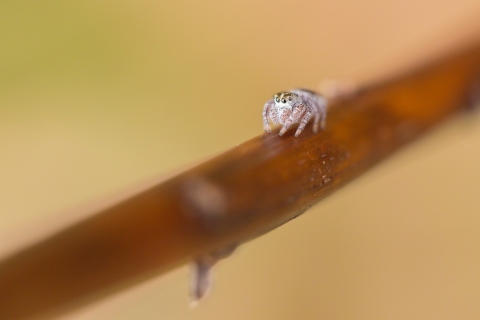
<point x="294" y="106"/>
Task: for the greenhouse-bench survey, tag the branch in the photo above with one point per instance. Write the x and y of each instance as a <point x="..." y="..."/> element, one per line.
<point x="237" y="196"/>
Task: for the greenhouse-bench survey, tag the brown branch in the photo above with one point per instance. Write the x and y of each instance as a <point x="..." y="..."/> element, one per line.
<point x="234" y="197"/>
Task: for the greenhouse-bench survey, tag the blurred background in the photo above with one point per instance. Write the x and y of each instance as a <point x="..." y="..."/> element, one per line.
<point x="100" y="97"/>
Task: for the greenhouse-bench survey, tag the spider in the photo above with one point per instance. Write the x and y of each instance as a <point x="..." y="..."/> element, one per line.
<point x="294" y="106"/>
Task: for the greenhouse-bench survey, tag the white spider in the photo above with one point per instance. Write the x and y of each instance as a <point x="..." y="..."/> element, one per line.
<point x="294" y="106"/>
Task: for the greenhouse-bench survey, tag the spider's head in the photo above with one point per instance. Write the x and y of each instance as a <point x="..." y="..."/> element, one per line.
<point x="284" y="102"/>
<point x="285" y="99"/>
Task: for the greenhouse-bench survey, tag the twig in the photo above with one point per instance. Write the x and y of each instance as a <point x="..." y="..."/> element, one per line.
<point x="234" y="197"/>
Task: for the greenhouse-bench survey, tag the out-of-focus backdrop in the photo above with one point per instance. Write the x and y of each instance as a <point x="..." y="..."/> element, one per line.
<point x="97" y="97"/>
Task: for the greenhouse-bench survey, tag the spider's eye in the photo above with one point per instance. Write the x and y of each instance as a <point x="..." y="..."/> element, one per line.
<point x="289" y="99"/>
<point x="283" y="100"/>
<point x="277" y="100"/>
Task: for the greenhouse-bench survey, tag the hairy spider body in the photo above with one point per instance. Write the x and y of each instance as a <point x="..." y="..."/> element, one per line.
<point x="295" y="106"/>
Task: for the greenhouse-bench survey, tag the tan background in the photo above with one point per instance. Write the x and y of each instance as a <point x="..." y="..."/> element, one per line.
<point x="97" y="97"/>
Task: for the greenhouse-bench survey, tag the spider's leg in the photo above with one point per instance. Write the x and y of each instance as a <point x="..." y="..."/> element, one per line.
<point x="266" y="111"/>
<point x="324" y="121"/>
<point x="304" y="122"/>
<point x="294" y="117"/>
<point x="274" y="115"/>
<point x="316" y="119"/>
<point x="322" y="110"/>
<point x="319" y="105"/>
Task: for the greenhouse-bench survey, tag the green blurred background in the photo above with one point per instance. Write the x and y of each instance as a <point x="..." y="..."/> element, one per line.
<point x="97" y="98"/>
